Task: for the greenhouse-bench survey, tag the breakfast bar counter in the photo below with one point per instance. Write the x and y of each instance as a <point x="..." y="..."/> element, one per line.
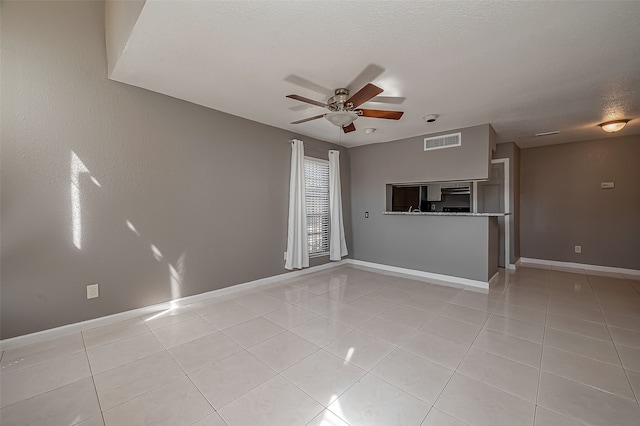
<point x="447" y="214"/>
<point x="464" y="245"/>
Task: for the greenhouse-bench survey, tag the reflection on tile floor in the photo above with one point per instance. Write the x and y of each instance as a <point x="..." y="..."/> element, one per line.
<point x="347" y="346"/>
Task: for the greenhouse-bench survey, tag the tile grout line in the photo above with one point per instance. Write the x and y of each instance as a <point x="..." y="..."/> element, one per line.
<point x="239" y="396"/>
<point x="578" y="382"/>
<point x="189" y="377"/>
<point x="45" y="392"/>
<point x="544" y="333"/>
<point x="584" y="356"/>
<point x="143" y="394"/>
<point x="508" y="359"/>
<point x="118" y="339"/>
<point x="95" y="389"/>
<point x="369" y="371"/>
<point x="41" y="362"/>
<point x="462" y="359"/>
<point x="168" y="325"/>
<point x="149" y="390"/>
<point x="615" y="347"/>
<point x="544" y="330"/>
<point x="50" y="390"/>
<point x="588" y="386"/>
<point x="277" y="372"/>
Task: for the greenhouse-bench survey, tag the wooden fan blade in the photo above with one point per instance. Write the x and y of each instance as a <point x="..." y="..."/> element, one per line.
<point x="378" y="113"/>
<point x="308" y="119"/>
<point x="307" y="100"/>
<point x="369" y="74"/>
<point x="300" y="107"/>
<point x="303" y="82"/>
<point x="363" y="95"/>
<point x="350" y="128"/>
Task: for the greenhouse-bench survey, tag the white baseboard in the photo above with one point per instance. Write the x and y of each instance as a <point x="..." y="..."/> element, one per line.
<point x="421" y="274"/>
<point x="579" y="266"/>
<point x="52" y="333"/>
<point x="515" y="266"/>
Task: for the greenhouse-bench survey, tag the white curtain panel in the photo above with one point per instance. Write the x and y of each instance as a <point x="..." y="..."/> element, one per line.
<point x="297" y="244"/>
<point x="337" y="242"/>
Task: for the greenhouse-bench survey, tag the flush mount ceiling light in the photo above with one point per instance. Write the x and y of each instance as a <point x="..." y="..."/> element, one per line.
<point x="613" y="126"/>
<point x="341" y="118"/>
<point x="369" y="130"/>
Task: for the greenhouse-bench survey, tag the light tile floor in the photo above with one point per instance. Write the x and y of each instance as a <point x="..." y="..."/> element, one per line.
<point x="347" y="346"/>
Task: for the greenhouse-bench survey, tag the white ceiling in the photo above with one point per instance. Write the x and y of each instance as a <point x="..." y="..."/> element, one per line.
<point x="523" y="67"/>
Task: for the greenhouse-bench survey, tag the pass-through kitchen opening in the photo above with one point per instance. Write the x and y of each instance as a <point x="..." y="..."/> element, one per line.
<point x="453" y="197"/>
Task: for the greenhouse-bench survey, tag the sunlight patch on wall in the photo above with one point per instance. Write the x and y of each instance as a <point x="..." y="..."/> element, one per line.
<point x="77" y="167"/>
<point x="156" y="253"/>
<point x="176" y="276"/>
<point x="133" y="228"/>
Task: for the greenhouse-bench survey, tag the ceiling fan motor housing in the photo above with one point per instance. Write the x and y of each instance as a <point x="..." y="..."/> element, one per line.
<point x="338" y="101"/>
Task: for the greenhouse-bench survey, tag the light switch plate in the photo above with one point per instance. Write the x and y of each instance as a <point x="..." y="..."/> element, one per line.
<point x="607" y="185"/>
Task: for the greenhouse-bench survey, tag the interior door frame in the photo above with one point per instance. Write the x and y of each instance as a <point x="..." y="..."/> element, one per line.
<point x="507" y="205"/>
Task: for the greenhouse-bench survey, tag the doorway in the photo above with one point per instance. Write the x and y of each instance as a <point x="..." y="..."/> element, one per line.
<point x="492" y="196"/>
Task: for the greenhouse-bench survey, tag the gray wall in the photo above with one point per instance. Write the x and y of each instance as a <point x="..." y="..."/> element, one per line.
<point x="449" y="245"/>
<point x="419" y="243"/>
<point x="563" y="205"/>
<point x="406" y="161"/>
<point x="511" y="151"/>
<point x="209" y="190"/>
<point x="493" y="247"/>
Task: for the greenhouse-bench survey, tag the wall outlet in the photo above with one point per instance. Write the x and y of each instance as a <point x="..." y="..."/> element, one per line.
<point x="92" y="291"/>
<point x="578" y="249"/>
<point x="366" y="215"/>
<point x="607" y="185"/>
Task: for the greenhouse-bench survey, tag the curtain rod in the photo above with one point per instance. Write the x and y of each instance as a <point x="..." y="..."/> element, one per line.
<point x="315" y="148"/>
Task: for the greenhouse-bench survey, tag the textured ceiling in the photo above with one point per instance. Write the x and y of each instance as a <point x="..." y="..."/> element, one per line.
<point x="523" y="67"/>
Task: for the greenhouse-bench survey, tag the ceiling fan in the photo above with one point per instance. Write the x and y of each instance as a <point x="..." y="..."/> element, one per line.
<point x="343" y="109"/>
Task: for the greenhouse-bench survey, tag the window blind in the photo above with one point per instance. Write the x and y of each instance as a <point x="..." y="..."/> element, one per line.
<point x="316" y="177"/>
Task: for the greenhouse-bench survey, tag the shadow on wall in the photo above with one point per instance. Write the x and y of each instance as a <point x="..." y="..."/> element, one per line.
<point x="77" y="175"/>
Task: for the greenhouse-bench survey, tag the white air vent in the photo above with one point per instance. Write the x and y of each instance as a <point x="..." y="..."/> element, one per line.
<point x="444" y="141"/>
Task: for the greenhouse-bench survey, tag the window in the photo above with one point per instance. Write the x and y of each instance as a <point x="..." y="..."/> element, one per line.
<point x="316" y="182"/>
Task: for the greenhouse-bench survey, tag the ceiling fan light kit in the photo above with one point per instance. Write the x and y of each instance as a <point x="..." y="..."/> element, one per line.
<point x="341" y="118"/>
<point x="613" y="126"/>
<point x="342" y="107"/>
